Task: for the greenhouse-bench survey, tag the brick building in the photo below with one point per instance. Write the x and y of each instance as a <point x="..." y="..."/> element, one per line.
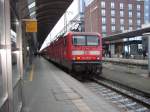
<point x="114" y="16"/>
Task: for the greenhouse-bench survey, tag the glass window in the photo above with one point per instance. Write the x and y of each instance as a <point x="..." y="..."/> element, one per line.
<point x="103" y="28"/>
<point x="138" y="22"/>
<point x="138" y="7"/>
<point x="113" y="28"/>
<point x="92" y="40"/>
<point x="121" y="14"/>
<point x="130" y="21"/>
<point x="1" y="78"/>
<point x="130" y="6"/>
<point x="130" y="28"/>
<point x="85" y="40"/>
<point x="103" y="12"/>
<point x="130" y="14"/>
<point x="122" y="21"/>
<point x="103" y="4"/>
<point x="79" y="40"/>
<point x="112" y="5"/>
<point x="112" y="20"/>
<point x="138" y="14"/>
<point x="122" y="28"/>
<point x="121" y="6"/>
<point x="103" y="20"/>
<point x="112" y="12"/>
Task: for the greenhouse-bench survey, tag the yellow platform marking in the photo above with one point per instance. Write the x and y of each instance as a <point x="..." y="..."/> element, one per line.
<point x="31" y="73"/>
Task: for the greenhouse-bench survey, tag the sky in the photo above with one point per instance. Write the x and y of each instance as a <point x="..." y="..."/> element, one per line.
<point x="71" y="12"/>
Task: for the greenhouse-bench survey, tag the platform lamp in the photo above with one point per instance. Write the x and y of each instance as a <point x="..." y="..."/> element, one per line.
<point x="148" y="35"/>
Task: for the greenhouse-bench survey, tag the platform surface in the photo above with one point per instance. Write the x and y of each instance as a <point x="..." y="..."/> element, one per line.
<point x="49" y="89"/>
<point x="134" y="77"/>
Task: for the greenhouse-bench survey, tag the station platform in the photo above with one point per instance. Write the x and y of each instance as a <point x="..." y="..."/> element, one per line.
<point x="134" y="77"/>
<point x="127" y="61"/>
<point x="46" y="88"/>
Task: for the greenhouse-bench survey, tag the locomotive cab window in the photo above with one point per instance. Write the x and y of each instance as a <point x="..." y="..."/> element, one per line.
<point x="92" y="41"/>
<point x="79" y="40"/>
<point x="86" y="40"/>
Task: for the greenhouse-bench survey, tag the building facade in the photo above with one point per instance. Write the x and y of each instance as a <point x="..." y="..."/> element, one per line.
<point x="109" y="17"/>
<point x="147" y="11"/>
<point x="113" y="16"/>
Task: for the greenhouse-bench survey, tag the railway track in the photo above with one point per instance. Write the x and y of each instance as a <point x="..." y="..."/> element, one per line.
<point x="127" y="100"/>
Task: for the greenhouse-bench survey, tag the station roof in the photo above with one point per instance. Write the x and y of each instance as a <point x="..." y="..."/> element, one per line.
<point x="129" y="34"/>
<point x="47" y="13"/>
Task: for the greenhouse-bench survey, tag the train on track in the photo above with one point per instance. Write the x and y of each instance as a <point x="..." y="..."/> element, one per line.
<point x="78" y="52"/>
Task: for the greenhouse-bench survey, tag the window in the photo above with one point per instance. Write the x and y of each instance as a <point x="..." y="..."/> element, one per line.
<point x="112" y="5"/>
<point x="113" y="13"/>
<point x="112" y="20"/>
<point x="103" y="28"/>
<point x="79" y="40"/>
<point x="130" y="21"/>
<point x="121" y="14"/>
<point x="138" y="14"/>
<point x="86" y="40"/>
<point x="130" y="14"/>
<point x="122" y="28"/>
<point x="130" y="6"/>
<point x="113" y="28"/>
<point x="138" y="7"/>
<point x="102" y="4"/>
<point x="122" y="21"/>
<point x="92" y="40"/>
<point x="138" y="22"/>
<point x="1" y="78"/>
<point x="121" y="6"/>
<point x="103" y="12"/>
<point x="130" y="28"/>
<point x="103" y="20"/>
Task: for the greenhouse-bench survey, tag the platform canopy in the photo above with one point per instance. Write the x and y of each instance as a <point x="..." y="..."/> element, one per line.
<point x="47" y="13"/>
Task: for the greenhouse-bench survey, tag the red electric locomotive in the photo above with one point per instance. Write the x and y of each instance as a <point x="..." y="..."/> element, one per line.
<point x="78" y="51"/>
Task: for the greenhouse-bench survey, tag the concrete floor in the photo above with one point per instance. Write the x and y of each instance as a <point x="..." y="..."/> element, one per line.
<point x="46" y="88"/>
<point x="127" y="76"/>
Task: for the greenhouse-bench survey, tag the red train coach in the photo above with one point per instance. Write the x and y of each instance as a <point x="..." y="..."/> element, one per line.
<point x="78" y="51"/>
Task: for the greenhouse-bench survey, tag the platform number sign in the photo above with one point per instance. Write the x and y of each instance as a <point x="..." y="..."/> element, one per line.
<point x="31" y="26"/>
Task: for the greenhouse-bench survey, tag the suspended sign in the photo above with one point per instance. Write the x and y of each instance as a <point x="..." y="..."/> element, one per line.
<point x="31" y="25"/>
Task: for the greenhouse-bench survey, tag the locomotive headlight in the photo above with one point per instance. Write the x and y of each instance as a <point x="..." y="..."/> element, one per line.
<point x="77" y="52"/>
<point x="94" y="52"/>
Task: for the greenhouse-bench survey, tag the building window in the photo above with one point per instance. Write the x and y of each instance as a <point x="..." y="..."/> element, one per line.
<point x="121" y="6"/>
<point x="130" y="28"/>
<point x="102" y="4"/>
<point x="130" y="6"/>
<point x="121" y="14"/>
<point x="122" y="28"/>
<point x="130" y="14"/>
<point x="130" y="22"/>
<point x="113" y="28"/>
<point x="138" y="22"/>
<point x="112" y="5"/>
<point x="112" y="20"/>
<point x="138" y="14"/>
<point x="103" y="20"/>
<point x="104" y="34"/>
<point x="122" y="21"/>
<point x="103" y="28"/>
<point x="138" y="7"/>
<point x="103" y="12"/>
<point x="113" y="13"/>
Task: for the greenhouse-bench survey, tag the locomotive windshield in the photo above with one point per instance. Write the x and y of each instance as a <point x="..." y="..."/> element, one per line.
<point x="86" y="40"/>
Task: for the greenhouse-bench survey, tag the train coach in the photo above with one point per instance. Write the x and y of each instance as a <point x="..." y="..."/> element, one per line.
<point x="78" y="52"/>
